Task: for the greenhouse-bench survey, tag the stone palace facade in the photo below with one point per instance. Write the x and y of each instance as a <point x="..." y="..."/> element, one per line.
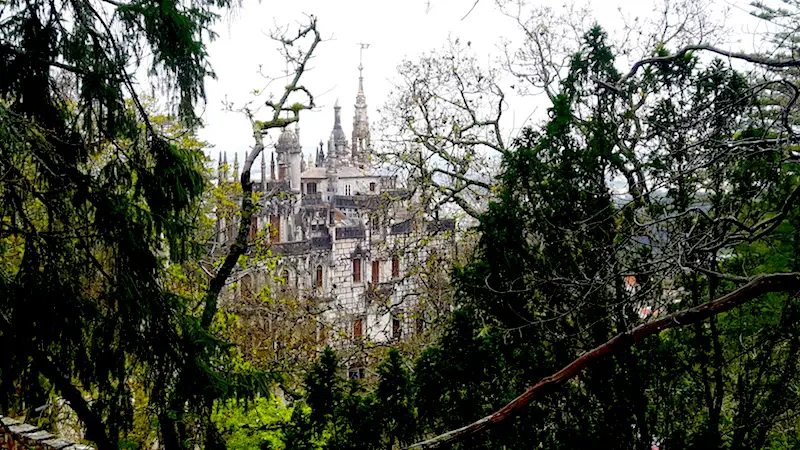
<point x="349" y="238"/>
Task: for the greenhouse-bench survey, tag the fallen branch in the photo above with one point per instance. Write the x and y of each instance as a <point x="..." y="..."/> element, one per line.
<point x="782" y="282"/>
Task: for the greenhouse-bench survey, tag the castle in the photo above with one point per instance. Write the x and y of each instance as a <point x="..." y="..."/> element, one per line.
<point x="349" y="238"/>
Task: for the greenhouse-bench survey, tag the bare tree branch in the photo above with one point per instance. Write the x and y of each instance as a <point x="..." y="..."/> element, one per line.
<point x="781" y="282"/>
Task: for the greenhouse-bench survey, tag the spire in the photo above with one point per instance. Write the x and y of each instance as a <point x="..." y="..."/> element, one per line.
<point x="311" y="160"/>
<point x="337" y="117"/>
<point x="263" y="171"/>
<point x="320" y="155"/>
<point x="225" y="166"/>
<point x="235" y="166"/>
<point x="361" y="139"/>
<point x="338" y="138"/>
<point x="362" y="47"/>
<point x="330" y="165"/>
<point x="219" y="169"/>
<point x="272" y="168"/>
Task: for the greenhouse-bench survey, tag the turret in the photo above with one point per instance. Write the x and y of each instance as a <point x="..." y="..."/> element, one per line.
<point x="235" y="166"/>
<point x="286" y="146"/>
<point x="330" y="170"/>
<point x="263" y="171"/>
<point x="339" y="138"/>
<point x="294" y="163"/>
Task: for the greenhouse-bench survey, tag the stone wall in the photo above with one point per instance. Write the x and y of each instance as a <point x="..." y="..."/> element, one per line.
<point x="16" y="435"/>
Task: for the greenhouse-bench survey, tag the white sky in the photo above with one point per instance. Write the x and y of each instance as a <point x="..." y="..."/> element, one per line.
<point x="394" y="29"/>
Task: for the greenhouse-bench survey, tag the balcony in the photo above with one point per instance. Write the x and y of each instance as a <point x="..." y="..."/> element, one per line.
<point x="441" y="225"/>
<point x="300" y="247"/>
<point x="321" y="242"/>
<point x="291" y="248"/>
<point x="315" y="198"/>
<point x="357" y="201"/>
<point x="273" y="186"/>
<point x="351" y="233"/>
<point x="401" y="228"/>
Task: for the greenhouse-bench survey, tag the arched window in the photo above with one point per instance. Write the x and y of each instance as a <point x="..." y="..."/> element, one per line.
<point x="285" y="277"/>
<point x="395" y="267"/>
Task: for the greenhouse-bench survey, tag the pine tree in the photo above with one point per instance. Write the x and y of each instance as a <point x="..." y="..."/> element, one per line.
<point x="97" y="202"/>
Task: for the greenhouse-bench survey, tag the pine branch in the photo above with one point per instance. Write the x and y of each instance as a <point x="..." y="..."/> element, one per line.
<point x="781" y="282"/>
<point x="95" y="428"/>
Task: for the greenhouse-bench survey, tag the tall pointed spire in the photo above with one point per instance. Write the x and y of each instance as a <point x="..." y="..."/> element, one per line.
<point x="272" y="168"/>
<point x="337" y="116"/>
<point x="361" y="140"/>
<point x="225" y="166"/>
<point x="235" y="166"/>
<point x="220" y="178"/>
<point x="339" y="140"/>
<point x="320" y="155"/>
<point x="263" y="171"/>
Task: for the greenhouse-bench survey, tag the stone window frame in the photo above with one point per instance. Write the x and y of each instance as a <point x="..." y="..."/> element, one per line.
<point x="320" y="277"/>
<point x="376" y="271"/>
<point x="357" y="270"/>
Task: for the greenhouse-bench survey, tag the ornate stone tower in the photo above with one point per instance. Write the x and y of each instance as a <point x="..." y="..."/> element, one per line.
<point x="294" y="162"/>
<point x="339" y="139"/>
<point x="361" y="142"/>
<point x="287" y="145"/>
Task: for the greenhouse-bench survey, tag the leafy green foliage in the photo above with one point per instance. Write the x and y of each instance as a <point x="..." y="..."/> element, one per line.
<point x="566" y="261"/>
<point x="98" y="201"/>
<point x="345" y="414"/>
<point x="254" y="424"/>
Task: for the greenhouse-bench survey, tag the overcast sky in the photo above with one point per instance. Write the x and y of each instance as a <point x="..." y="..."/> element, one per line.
<point x="394" y="29"/>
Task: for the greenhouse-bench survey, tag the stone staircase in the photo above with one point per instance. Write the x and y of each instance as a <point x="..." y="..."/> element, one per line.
<point x="16" y="435"/>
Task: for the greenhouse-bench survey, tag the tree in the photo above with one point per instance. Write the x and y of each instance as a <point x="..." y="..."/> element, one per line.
<point x="442" y="128"/>
<point x="394" y="401"/>
<point x="99" y="206"/>
<point x="638" y="197"/>
<point x="357" y="413"/>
